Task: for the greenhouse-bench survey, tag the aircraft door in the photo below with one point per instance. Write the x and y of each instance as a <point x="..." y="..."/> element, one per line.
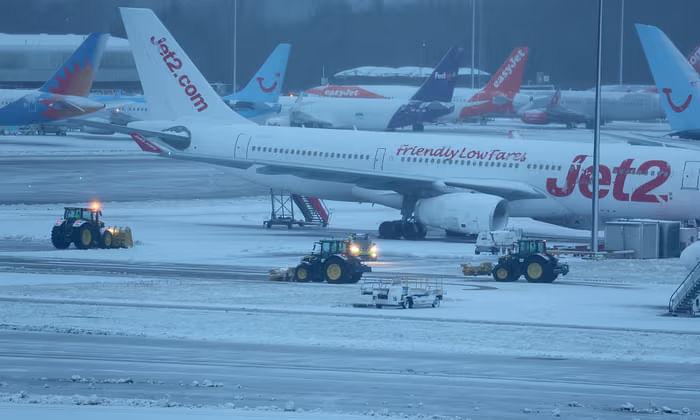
<point x="691" y="176"/>
<point x="240" y="150"/>
<point x="379" y="159"/>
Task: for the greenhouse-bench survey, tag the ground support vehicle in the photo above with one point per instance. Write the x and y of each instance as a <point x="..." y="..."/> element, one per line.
<point x="331" y="260"/>
<point x="531" y="259"/>
<point x="497" y="242"/>
<point x="362" y="246"/>
<point x="404" y="293"/>
<point x="483" y="269"/>
<point x="84" y="228"/>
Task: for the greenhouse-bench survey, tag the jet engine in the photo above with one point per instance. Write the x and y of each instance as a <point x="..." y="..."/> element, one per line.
<point x="463" y="212"/>
<point x="534" y="116"/>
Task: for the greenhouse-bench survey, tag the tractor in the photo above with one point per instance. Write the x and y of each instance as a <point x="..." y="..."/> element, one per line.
<point x="83" y="227"/>
<point x="530" y="258"/>
<point x="331" y="261"/>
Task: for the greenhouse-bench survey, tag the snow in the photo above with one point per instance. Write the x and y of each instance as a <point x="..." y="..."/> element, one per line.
<point x="90" y="408"/>
<point x="602" y="310"/>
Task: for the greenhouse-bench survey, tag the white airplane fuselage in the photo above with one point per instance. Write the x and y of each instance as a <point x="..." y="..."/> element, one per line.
<point x="636" y="181"/>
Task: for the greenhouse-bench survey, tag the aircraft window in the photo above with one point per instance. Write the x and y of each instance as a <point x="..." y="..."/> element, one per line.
<point x="402" y="159"/>
<point x="493" y="163"/>
<point x="469" y="162"/>
<point x="344" y="155"/>
<point x="462" y="163"/>
<point x="541" y="166"/>
<point x="253" y="148"/>
<point x="546" y="167"/>
<point x="275" y="150"/>
<point x="528" y="166"/>
<point x="516" y="165"/>
<point x="481" y="163"/>
<point x="510" y="165"/>
<point x="432" y="160"/>
<point x="332" y="154"/>
<point x="420" y="160"/>
<point x="559" y="168"/>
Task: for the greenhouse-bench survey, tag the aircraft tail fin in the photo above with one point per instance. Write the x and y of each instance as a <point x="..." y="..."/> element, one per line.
<point x="266" y="85"/>
<point x="172" y="84"/>
<point x="75" y="76"/>
<point x="676" y="80"/>
<point x="509" y="77"/>
<point x="441" y="84"/>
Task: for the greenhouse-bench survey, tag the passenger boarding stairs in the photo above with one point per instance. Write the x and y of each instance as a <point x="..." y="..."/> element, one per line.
<point x="685" y="300"/>
<point x="313" y="209"/>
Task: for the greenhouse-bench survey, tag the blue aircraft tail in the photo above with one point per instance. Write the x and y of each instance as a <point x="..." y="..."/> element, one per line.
<point x="441" y="84"/>
<point x="266" y="85"/>
<point x="75" y="76"/>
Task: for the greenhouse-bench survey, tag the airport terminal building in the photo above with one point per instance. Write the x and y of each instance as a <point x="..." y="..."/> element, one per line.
<point x="28" y="60"/>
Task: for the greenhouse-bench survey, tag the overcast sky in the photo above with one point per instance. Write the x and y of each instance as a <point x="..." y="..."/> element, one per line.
<point x="340" y="34"/>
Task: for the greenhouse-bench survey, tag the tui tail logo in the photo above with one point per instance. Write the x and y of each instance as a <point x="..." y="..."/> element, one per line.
<point x="267" y="89"/>
<point x="674" y="107"/>
<point x="76" y="82"/>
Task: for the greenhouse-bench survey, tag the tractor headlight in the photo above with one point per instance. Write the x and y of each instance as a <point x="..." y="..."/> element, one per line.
<point x="354" y="249"/>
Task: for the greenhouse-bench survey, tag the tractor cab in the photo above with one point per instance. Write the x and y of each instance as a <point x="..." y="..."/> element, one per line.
<point x="91" y="214"/>
<point x="327" y="247"/>
<point x="531" y="246"/>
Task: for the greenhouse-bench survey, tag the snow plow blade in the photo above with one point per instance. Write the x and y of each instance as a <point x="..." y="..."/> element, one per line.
<point x="482" y="269"/>
<point x="121" y="237"/>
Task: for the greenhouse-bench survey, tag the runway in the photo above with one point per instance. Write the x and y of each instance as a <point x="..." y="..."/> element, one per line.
<point x="334" y="379"/>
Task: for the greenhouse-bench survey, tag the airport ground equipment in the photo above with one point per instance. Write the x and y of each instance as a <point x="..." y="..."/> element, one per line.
<point x="497" y="242"/>
<point x="404" y="293"/>
<point x="362" y="246"/>
<point x="83" y="227"/>
<point x="313" y="209"/>
<point x="330" y="260"/>
<point x="530" y="258"/>
<point x="483" y="269"/>
<point x="685" y="300"/>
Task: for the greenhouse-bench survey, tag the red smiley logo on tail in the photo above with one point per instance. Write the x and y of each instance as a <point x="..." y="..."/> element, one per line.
<point x="675" y="107"/>
<point x="269" y="89"/>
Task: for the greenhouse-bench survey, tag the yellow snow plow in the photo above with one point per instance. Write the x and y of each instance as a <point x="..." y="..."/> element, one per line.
<point x="121" y="237"/>
<point x="483" y="269"/>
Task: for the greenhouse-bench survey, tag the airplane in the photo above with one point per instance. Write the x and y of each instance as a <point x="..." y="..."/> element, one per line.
<point x="430" y="102"/>
<point x="64" y="95"/>
<point x="618" y="103"/>
<point x="498" y="98"/>
<point x="465" y="184"/>
<point x="258" y="101"/>
<point x="676" y="78"/>
<point x="574" y="107"/>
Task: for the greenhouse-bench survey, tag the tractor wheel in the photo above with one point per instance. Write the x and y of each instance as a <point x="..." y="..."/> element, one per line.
<point x="106" y="241"/>
<point x="336" y="270"/>
<point x="58" y="238"/>
<point x="538" y="270"/>
<point x="303" y="273"/>
<point x="502" y="272"/>
<point x="83" y="237"/>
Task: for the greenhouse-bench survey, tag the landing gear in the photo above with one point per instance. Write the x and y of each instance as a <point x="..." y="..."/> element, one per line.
<point x="396" y="229"/>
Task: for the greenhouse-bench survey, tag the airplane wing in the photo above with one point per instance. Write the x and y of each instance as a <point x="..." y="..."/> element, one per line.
<point x="420" y="186"/>
<point x="174" y="139"/>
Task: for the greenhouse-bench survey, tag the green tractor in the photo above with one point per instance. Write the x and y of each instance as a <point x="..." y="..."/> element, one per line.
<point x="331" y="261"/>
<point x="83" y="227"/>
<point x="531" y="259"/>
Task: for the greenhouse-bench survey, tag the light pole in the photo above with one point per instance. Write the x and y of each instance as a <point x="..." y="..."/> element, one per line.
<point x="235" y="41"/>
<point x="473" y="38"/>
<point x="622" y="36"/>
<point x="596" y="138"/>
